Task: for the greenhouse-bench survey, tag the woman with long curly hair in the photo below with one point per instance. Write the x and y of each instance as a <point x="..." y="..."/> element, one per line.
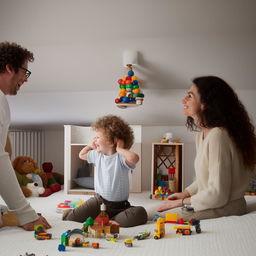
<point x="226" y="152"/>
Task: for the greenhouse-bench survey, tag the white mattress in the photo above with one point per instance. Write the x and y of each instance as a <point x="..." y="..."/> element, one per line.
<point x="223" y="236"/>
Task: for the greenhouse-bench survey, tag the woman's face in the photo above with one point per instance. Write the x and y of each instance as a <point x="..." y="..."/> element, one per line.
<point x="192" y="104"/>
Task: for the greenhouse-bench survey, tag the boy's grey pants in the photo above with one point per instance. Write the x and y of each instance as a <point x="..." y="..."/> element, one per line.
<point x="122" y="212"/>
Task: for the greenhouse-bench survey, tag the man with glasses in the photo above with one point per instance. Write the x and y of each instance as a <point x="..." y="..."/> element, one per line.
<point x="13" y="74"/>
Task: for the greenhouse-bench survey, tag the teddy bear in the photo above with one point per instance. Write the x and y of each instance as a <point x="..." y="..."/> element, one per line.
<point x="35" y="189"/>
<point x="51" y="180"/>
<point x="26" y="171"/>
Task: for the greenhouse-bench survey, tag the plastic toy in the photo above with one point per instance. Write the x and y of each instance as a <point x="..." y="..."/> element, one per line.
<point x="142" y="235"/>
<point x="186" y="230"/>
<point x="183" y="230"/>
<point x="130" y="94"/>
<point x="40" y="234"/>
<point x="95" y="245"/>
<point x="160" y="228"/>
<point x="103" y="217"/>
<point x="68" y="204"/>
<point x="78" y="237"/>
<point x="128" y="242"/>
<point x="61" y="248"/>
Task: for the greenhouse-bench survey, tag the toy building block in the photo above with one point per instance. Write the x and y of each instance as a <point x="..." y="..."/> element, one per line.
<point x="95" y="245"/>
<point x="171" y="218"/>
<point x="128" y="242"/>
<point x="61" y="248"/>
<point x="40" y="233"/>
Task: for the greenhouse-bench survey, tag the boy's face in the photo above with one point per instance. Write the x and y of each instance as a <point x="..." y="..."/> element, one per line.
<point x="101" y="143"/>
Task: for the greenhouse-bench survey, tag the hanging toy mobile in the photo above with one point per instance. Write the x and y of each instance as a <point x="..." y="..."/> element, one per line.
<point x="130" y="94"/>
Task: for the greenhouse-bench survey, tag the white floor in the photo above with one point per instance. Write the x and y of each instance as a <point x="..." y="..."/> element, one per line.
<point x="224" y="236"/>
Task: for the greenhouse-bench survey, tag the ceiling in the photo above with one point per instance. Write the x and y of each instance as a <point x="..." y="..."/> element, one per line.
<point x="78" y="44"/>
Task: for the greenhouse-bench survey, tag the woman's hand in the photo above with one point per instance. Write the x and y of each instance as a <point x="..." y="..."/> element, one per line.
<point x="180" y="195"/>
<point x="176" y="196"/>
<point x="170" y="204"/>
<point x="41" y="221"/>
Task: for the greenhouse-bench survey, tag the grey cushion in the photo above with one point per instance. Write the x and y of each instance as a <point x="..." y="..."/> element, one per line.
<point x="85" y="182"/>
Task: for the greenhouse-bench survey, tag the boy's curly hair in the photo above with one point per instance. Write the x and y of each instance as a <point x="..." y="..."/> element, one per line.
<point x="14" y="55"/>
<point x="115" y="127"/>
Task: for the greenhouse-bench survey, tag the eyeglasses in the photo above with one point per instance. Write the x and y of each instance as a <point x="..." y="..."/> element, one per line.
<point x="27" y="72"/>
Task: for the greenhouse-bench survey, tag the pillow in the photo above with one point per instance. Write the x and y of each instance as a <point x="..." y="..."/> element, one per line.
<point x="85" y="182"/>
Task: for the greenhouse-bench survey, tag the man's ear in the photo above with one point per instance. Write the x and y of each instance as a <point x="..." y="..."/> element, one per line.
<point x="9" y="68"/>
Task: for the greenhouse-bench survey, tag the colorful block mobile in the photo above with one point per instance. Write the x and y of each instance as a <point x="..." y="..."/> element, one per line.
<point x="130" y="93"/>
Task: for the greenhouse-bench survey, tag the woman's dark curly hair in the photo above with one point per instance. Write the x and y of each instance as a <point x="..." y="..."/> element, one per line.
<point x="115" y="127"/>
<point x="222" y="108"/>
<point x="14" y="55"/>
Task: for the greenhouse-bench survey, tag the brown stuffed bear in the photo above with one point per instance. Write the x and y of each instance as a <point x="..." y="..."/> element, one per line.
<point x="26" y="171"/>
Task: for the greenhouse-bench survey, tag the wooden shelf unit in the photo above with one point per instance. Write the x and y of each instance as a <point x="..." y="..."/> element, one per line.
<point x="164" y="156"/>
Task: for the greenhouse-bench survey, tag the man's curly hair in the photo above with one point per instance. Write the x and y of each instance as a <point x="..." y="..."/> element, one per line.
<point x="14" y="55"/>
<point x="115" y="127"/>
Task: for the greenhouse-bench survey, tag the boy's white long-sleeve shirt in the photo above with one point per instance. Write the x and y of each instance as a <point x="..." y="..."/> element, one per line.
<point x="9" y="186"/>
<point x="220" y="173"/>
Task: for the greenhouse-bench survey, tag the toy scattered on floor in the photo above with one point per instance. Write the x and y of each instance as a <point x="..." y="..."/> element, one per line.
<point x="128" y="242"/>
<point x="142" y="235"/>
<point x="130" y="93"/>
<point x="40" y="233"/>
<point x="160" y="228"/>
<point x="186" y="230"/>
<point x="90" y="229"/>
<point x="111" y="239"/>
<point x="61" y="248"/>
<point x="68" y="204"/>
<point x="26" y="171"/>
<point x="102" y="219"/>
<point x="95" y="245"/>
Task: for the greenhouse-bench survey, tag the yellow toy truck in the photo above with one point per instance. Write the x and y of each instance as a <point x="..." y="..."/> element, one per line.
<point x="160" y="228"/>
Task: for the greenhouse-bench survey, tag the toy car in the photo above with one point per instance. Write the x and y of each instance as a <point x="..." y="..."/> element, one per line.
<point x="142" y="235"/>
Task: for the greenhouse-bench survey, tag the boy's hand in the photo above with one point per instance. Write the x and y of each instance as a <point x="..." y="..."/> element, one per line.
<point x="119" y="143"/>
<point x="93" y="145"/>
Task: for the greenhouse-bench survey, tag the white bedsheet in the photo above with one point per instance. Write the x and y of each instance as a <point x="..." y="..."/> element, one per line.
<point x="233" y="235"/>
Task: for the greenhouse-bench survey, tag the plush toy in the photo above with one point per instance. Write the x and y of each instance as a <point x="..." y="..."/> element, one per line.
<point x="35" y="189"/>
<point x="26" y="172"/>
<point x="51" y="180"/>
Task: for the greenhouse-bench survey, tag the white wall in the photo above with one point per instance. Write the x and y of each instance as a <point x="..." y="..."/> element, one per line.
<point x="161" y="114"/>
